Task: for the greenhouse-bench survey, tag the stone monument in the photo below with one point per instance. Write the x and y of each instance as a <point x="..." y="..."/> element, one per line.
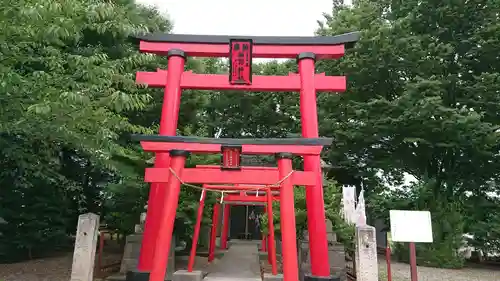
<point x="366" y="253"/>
<point x="133" y="248"/>
<point x="336" y="255"/>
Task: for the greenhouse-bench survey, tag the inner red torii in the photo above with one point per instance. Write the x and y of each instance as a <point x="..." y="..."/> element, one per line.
<point x="263" y="196"/>
<point x="283" y="176"/>
<point x="240" y="51"/>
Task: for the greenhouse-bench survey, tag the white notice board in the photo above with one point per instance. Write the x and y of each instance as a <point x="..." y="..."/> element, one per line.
<point x="411" y="226"/>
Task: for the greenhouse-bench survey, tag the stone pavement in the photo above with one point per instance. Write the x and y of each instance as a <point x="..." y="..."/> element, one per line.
<point x="240" y="262"/>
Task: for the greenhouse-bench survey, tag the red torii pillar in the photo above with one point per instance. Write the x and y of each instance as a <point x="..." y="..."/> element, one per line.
<point x="168" y="127"/>
<point x="196" y="233"/>
<point x="225" y="226"/>
<point x="315" y="205"/>
<point x="271" y="254"/>
<point x="213" y="234"/>
<point x="287" y="214"/>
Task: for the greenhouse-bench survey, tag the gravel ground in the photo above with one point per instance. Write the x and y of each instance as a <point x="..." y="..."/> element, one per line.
<point x="401" y="272"/>
<point x="49" y="269"/>
<point x="59" y="268"/>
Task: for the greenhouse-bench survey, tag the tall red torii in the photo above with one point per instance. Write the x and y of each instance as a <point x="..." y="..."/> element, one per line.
<point x="241" y="50"/>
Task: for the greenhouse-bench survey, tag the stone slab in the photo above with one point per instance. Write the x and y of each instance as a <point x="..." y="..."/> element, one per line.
<point x="308" y="277"/>
<point x="184" y="275"/>
<point x="263" y="256"/>
<point x="270" y="277"/>
<point x="117" y="277"/>
<point x="240" y="262"/>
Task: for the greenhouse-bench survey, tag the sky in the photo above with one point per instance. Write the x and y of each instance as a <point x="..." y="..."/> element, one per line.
<point x="266" y="17"/>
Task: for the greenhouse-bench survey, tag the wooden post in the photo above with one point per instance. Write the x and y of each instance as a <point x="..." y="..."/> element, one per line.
<point x="85" y="247"/>
<point x="366" y="254"/>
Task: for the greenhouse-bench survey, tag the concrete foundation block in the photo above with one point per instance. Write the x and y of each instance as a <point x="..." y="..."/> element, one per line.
<point x="184" y="275"/>
<point x="309" y="277"/>
<point x="137" y="276"/>
<point x="270" y="277"/>
<point x="131" y="259"/>
<point x="263" y="255"/>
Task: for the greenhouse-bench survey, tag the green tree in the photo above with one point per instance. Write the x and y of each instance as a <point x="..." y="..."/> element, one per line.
<point x="67" y="71"/>
<point x="422" y="99"/>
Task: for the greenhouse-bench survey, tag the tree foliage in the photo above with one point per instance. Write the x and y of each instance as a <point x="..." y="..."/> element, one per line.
<point x="67" y="71"/>
<point x="422" y="100"/>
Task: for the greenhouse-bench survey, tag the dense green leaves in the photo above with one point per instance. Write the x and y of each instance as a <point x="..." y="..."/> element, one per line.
<point x="421" y="101"/>
<point x="67" y="71"/>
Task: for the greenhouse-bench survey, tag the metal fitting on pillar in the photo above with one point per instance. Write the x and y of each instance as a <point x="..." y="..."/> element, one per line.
<point x="284" y="155"/>
<point x="306" y="55"/>
<point x="174" y="153"/>
<point x="176" y="53"/>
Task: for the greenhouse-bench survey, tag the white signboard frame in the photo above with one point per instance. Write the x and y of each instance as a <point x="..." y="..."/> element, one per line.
<point x="411" y="226"/>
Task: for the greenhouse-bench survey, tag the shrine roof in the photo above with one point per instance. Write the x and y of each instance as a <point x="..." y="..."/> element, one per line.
<point x="347" y="39"/>
<point x="230" y="141"/>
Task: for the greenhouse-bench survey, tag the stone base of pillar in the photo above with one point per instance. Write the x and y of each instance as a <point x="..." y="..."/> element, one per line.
<point x="309" y="277"/>
<point x="184" y="275"/>
<point x="270" y="277"/>
<point x="131" y="259"/>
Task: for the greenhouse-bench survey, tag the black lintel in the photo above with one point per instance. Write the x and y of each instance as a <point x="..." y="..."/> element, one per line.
<point x="228" y="141"/>
<point x="347" y="39"/>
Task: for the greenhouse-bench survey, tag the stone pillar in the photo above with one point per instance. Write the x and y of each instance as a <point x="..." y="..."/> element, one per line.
<point x="366" y="254"/>
<point x="85" y="247"/>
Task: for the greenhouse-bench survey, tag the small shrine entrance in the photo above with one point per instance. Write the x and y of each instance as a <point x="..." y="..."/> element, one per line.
<point x="245" y="222"/>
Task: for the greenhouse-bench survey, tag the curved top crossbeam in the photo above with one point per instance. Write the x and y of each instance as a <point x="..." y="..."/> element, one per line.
<point x="231" y="141"/>
<point x="323" y="47"/>
<point x="347" y="39"/>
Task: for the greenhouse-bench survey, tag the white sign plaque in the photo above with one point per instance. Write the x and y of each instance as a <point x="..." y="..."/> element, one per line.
<point x="411" y="226"/>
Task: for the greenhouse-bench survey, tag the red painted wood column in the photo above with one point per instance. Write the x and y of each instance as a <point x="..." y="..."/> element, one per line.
<point x="272" y="242"/>
<point x="196" y="233"/>
<point x="168" y="127"/>
<point x="213" y="233"/>
<point x="167" y="218"/>
<point x="316" y="220"/>
<point x="287" y="214"/>
<point x="225" y="226"/>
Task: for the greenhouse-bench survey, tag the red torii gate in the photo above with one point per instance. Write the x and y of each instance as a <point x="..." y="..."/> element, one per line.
<point x="242" y="198"/>
<point x="241" y="50"/>
<point x="284" y="176"/>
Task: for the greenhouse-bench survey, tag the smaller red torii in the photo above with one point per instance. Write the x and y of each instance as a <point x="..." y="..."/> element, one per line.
<point x="264" y="197"/>
<point x="283" y="176"/>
